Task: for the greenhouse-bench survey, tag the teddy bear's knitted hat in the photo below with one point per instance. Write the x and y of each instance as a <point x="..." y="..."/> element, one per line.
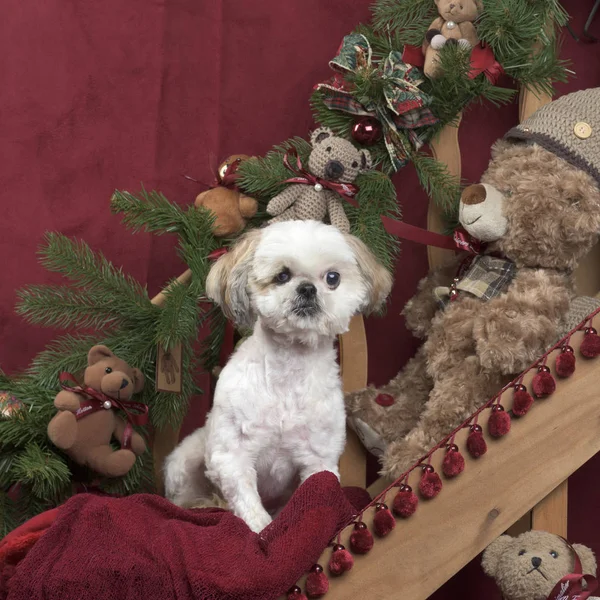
<point x="568" y="127"/>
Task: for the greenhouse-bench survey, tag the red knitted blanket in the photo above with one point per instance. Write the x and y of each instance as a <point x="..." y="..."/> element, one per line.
<point x="143" y="547"/>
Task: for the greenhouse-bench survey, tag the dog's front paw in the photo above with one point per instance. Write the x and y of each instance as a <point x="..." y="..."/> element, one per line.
<point x="258" y="520"/>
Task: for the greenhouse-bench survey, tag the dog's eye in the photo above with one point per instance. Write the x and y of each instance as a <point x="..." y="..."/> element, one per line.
<point x="354" y="165"/>
<point x="108" y="370"/>
<point x="333" y="279"/>
<point x="554" y="554"/>
<point x="521" y="552"/>
<point x="283" y="277"/>
<point x="328" y="149"/>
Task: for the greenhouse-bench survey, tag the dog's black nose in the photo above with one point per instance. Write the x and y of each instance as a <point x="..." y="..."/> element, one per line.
<point x="124" y="384"/>
<point x="307" y="290"/>
<point x="334" y="169"/>
<point x="536" y="561"/>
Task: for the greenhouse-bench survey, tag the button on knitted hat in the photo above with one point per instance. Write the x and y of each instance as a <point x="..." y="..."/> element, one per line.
<point x="568" y="127"/>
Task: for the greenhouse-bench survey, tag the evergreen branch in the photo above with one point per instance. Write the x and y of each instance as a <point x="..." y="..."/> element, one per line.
<point x="9" y="514"/>
<point x="47" y="475"/>
<point x="148" y="211"/>
<point x="93" y="272"/>
<point x="411" y="18"/>
<point x="262" y="178"/>
<point x="65" y="307"/>
<point x="440" y="185"/>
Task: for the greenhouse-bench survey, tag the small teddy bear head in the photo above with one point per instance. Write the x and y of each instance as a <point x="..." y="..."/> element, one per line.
<point x="529" y="566"/>
<point x="336" y="159"/>
<point x="111" y="375"/>
<point x="459" y="11"/>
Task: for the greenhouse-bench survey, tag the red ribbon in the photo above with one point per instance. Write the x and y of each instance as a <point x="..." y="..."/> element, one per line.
<point x="346" y="190"/>
<point x="570" y="587"/>
<point x="136" y="412"/>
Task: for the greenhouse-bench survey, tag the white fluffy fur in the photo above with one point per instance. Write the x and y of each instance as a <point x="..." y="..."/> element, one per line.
<point x="278" y="415"/>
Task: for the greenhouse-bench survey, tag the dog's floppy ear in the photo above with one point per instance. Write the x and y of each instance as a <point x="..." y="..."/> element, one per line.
<point x="227" y="281"/>
<point x="376" y="276"/>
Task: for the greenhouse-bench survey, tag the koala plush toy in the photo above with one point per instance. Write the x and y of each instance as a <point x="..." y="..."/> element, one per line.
<point x="529" y="566"/>
<point x="332" y="159"/>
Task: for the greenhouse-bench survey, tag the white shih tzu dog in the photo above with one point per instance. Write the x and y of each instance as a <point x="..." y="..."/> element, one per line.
<point x="278" y="415"/>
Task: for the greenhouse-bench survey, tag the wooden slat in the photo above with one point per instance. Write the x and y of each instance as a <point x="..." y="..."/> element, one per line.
<point x="164" y="440"/>
<point x="354" y="372"/>
<point x="551" y="513"/>
<point x="486" y="499"/>
<point x="445" y="148"/>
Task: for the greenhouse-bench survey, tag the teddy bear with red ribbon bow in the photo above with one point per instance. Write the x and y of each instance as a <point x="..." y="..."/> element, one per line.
<point x="486" y="317"/>
<point x="87" y="418"/>
<point x="538" y="565"/>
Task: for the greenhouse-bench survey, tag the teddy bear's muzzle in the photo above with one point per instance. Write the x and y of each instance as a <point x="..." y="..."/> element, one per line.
<point x="481" y="212"/>
<point x="334" y="169"/>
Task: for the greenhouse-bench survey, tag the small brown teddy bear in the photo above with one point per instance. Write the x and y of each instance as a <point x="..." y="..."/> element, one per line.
<point x="332" y="159"/>
<point x="231" y="208"/>
<point x="84" y="427"/>
<point x="530" y="566"/>
<point x="538" y="210"/>
<point x="454" y="25"/>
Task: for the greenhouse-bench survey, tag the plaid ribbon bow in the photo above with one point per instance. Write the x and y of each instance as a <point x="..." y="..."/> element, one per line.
<point x="135" y="412"/>
<point x="404" y="113"/>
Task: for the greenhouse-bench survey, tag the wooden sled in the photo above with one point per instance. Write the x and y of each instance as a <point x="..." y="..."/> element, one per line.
<point x="504" y="490"/>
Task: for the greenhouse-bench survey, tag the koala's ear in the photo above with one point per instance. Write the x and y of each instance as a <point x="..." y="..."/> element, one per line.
<point x="318" y="135"/>
<point x="377" y="278"/>
<point x="227" y="281"/>
<point x="97" y="353"/>
<point x="588" y="560"/>
<point x="491" y="555"/>
<point x="138" y="381"/>
<point x="366" y="162"/>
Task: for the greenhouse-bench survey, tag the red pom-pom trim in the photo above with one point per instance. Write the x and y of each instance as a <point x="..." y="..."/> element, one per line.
<point x="454" y="462"/>
<point x="565" y="362"/>
<point x="522" y="401"/>
<point x="431" y="484"/>
<point x="499" y="423"/>
<point x="476" y="444"/>
<point x="384" y="400"/>
<point x="317" y="583"/>
<point x="405" y="503"/>
<point x="295" y="593"/>
<point x="361" y="540"/>
<point x="590" y="345"/>
<point x="383" y="521"/>
<point x="341" y="560"/>
<point x="543" y="383"/>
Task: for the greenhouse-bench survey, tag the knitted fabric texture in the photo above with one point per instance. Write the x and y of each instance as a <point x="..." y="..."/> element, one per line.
<point x="143" y="547"/>
<point x="568" y="127"/>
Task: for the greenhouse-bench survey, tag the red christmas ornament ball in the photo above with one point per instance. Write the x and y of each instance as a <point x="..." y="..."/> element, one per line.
<point x="367" y="131"/>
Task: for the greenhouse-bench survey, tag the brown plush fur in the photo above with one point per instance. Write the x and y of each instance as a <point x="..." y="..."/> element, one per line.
<point x="87" y="441"/>
<point x="509" y="561"/>
<point x="473" y="347"/>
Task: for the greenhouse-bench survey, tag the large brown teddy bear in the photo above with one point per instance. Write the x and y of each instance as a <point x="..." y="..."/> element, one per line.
<point x="454" y="25"/>
<point x="87" y="439"/>
<point x="529" y="566"/>
<point x="332" y="159"/>
<point x="538" y="209"/>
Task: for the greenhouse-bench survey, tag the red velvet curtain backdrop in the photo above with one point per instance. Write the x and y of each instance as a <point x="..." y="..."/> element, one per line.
<point x="103" y="95"/>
